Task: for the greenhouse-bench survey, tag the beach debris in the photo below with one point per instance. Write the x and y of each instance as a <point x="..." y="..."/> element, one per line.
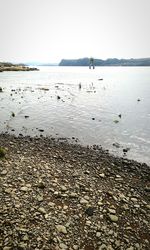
<point x="138" y="100"/>
<point x="100" y="79"/>
<point x="120" y="116"/>
<point x="1" y="90"/>
<point x="58" y="97"/>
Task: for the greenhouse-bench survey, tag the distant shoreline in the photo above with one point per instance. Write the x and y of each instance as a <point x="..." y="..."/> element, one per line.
<point x="141" y="62"/>
<point x="15" y="67"/>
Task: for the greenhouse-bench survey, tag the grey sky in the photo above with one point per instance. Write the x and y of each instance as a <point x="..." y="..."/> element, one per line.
<point x="49" y="30"/>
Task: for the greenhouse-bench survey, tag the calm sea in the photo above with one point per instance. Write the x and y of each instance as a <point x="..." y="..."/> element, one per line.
<point x="108" y="106"/>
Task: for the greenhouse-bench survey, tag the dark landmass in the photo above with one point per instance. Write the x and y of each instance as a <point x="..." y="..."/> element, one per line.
<point x="61" y="196"/>
<point x="6" y="66"/>
<point x="108" y="62"/>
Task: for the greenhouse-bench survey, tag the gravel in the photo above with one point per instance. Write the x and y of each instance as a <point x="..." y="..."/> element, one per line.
<point x="62" y="196"/>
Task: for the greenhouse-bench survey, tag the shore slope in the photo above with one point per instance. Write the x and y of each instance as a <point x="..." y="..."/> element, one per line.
<point x="61" y="196"/>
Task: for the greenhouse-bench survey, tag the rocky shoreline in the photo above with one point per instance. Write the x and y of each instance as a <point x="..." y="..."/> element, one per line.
<point x="62" y="196"/>
<point x="15" y="67"/>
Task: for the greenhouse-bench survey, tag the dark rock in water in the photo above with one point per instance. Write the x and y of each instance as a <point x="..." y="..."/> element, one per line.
<point x="119" y="115"/>
<point x="41" y="130"/>
<point x="100" y="79"/>
<point x="79" y="85"/>
<point x="93" y="118"/>
<point x="58" y="97"/>
<point x="13" y="114"/>
<point x="138" y="100"/>
<point x="125" y="150"/>
<point x="26" y="116"/>
<point x="1" y="90"/>
<point x="45" y="89"/>
<point x="89" y="211"/>
<point x="116" y="144"/>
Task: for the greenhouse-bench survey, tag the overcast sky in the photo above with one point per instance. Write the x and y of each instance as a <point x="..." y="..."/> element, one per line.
<point x="49" y="30"/>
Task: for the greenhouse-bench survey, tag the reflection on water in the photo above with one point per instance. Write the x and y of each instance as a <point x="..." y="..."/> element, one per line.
<point x="108" y="106"/>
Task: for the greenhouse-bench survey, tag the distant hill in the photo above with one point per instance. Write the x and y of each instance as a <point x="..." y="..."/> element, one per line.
<point x="107" y="62"/>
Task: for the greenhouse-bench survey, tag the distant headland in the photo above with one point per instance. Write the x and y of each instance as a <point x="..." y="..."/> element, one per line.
<point x="5" y="66"/>
<point x="108" y="62"/>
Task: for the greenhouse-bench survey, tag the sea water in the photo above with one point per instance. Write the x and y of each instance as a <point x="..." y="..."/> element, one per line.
<point x="107" y="106"/>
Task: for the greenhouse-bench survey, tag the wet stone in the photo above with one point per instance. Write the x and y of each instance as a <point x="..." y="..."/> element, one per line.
<point x="113" y="218"/>
<point x="61" y="229"/>
<point x="24" y="189"/>
<point x="89" y="211"/>
<point x="4" y="172"/>
<point x="40" y="198"/>
<point x="102" y="175"/>
<point x="111" y="211"/>
<point x="42" y="210"/>
<point x="73" y="195"/>
<point x="83" y="201"/>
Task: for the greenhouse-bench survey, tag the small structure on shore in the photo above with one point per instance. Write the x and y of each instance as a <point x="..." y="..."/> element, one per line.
<point x="91" y="63"/>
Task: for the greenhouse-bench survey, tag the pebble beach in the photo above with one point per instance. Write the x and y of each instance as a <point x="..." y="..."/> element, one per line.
<point x="56" y="195"/>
